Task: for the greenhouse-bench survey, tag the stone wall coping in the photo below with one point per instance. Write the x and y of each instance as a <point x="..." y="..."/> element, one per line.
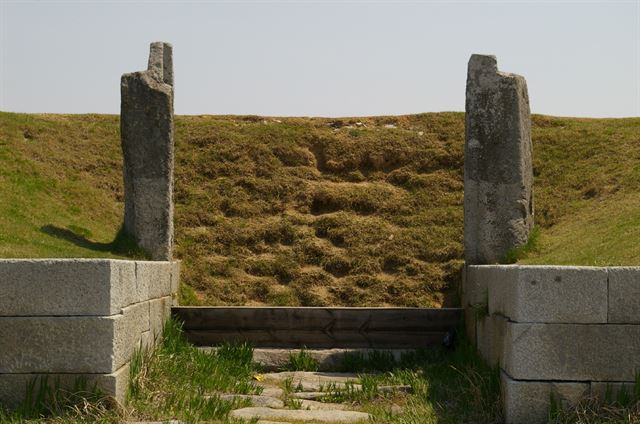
<point x="82" y="287"/>
<point x="550" y="267"/>
<point x="96" y="260"/>
<point x="556" y="293"/>
<point x="556" y="267"/>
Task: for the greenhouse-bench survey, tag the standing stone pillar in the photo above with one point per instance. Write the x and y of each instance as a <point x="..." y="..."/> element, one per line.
<point x="498" y="174"/>
<point x="146" y="128"/>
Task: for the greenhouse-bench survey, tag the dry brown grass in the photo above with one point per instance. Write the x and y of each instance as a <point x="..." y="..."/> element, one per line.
<point x="320" y="212"/>
<point x="301" y="211"/>
<point x="596" y="411"/>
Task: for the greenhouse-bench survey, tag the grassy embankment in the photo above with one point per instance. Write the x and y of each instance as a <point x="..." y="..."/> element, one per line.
<point x="300" y="211"/>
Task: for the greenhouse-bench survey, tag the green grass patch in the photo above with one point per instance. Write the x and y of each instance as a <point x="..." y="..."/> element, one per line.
<point x="446" y="386"/>
<point x="521" y="252"/>
<point x="316" y="212"/>
<point x="180" y="381"/>
<point x="301" y="361"/>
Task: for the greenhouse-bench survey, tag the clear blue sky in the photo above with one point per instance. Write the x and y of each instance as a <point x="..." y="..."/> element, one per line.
<point x="328" y="58"/>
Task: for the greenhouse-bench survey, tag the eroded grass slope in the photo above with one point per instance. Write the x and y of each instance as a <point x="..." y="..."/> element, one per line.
<point x="300" y="211"/>
<point x="320" y="212"/>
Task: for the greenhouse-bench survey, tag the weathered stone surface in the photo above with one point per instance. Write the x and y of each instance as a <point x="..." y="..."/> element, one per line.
<point x="114" y="384"/>
<point x="127" y="332"/>
<point x="71" y="344"/>
<point x="80" y="287"/>
<point x="154" y="279"/>
<point x="574" y="352"/>
<point x="175" y="280"/>
<point x="327" y="359"/>
<point x="396" y="410"/>
<point x="270" y="390"/>
<point x="159" y="312"/>
<point x="527" y="402"/>
<point x="146" y="126"/>
<point x="61" y="344"/>
<point x="300" y="415"/>
<point x="315" y="381"/>
<point x="256" y="400"/>
<point x="312" y="405"/>
<point x="624" y="295"/>
<point x="490" y="338"/>
<point x="475" y="295"/>
<point x="316" y="377"/>
<point x="308" y="395"/>
<point x="155" y="422"/>
<point x="474" y="285"/>
<point x="548" y="293"/>
<point x="125" y="289"/>
<point x="13" y="386"/>
<point x="498" y="194"/>
<point x="608" y="392"/>
<point x="319" y="386"/>
<point x="63" y="286"/>
<point x="147" y="340"/>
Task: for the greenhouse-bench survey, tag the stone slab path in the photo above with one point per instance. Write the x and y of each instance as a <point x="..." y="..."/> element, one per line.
<point x="297" y="396"/>
<point x="301" y="415"/>
<point x="302" y="397"/>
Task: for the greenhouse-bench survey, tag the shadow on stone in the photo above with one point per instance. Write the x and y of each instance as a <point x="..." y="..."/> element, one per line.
<point x="123" y="244"/>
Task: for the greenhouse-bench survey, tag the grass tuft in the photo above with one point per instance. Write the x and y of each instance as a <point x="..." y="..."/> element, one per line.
<point x="301" y="361"/>
<point x="180" y="381"/>
<point x="521" y="252"/>
<point x="55" y="401"/>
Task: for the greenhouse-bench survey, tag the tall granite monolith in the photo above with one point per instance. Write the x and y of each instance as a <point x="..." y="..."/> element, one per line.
<point x="146" y="127"/>
<point x="498" y="173"/>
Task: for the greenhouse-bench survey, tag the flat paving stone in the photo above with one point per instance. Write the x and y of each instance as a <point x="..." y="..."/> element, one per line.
<point x="309" y="390"/>
<point x="327" y="359"/>
<point x="270" y="390"/>
<point x="308" y="395"/>
<point x="312" y="405"/>
<point x="256" y="400"/>
<point x="301" y="415"/>
<point x="325" y="377"/>
<point x="155" y="422"/>
<point x="319" y="386"/>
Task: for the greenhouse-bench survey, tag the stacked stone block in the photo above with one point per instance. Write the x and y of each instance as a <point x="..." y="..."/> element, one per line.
<point x="72" y="319"/>
<point x="569" y="332"/>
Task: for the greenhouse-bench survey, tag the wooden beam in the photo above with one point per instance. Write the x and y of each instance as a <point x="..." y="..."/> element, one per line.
<point x="319" y="327"/>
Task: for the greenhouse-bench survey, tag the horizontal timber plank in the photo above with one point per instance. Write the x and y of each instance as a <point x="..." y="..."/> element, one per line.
<point x="318" y="327"/>
<point x="312" y="339"/>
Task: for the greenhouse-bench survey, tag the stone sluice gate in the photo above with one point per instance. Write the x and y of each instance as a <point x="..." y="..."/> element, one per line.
<point x="561" y="332"/>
